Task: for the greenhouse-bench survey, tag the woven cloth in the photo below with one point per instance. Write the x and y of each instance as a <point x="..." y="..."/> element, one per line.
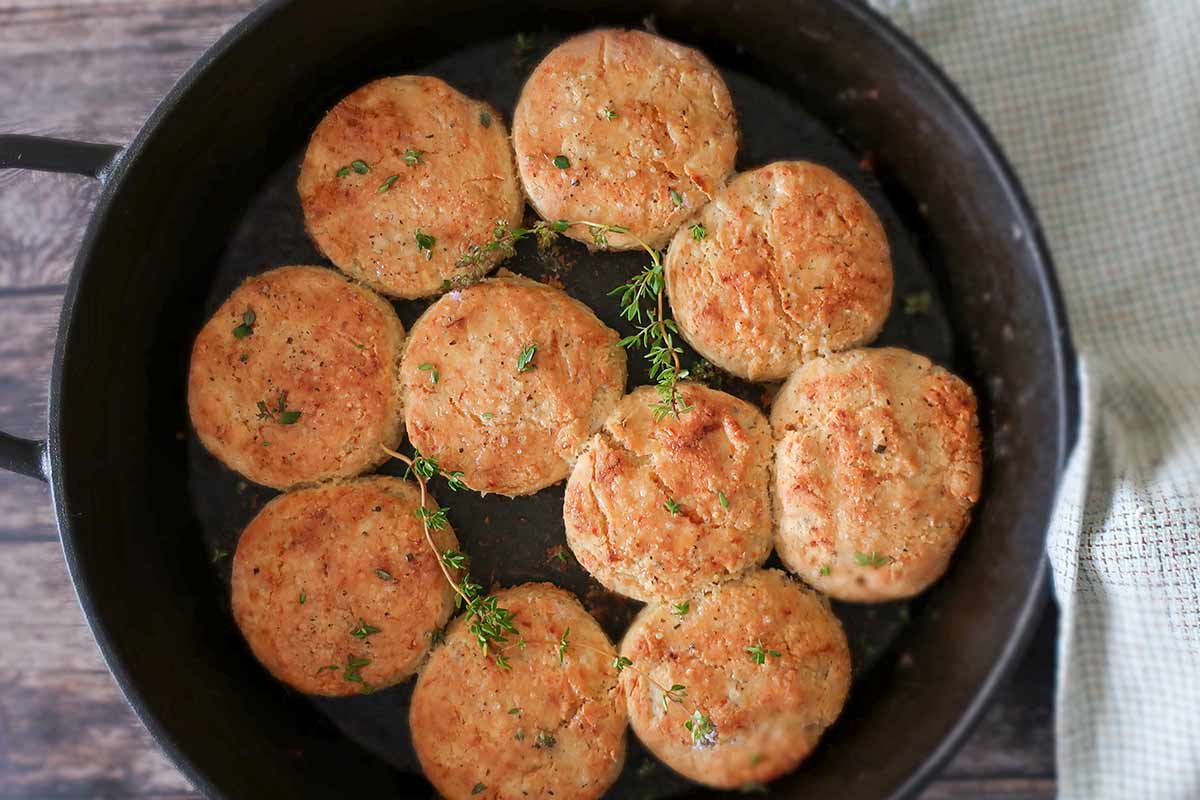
<point x="1097" y="103"/>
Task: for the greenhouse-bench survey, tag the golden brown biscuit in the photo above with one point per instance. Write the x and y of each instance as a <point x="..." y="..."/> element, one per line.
<point x="788" y="261"/>
<point x="308" y="389"/>
<point x="661" y="509"/>
<point x="624" y="128"/>
<point x="544" y="727"/>
<point x="336" y="589"/>
<point x="401" y="177"/>
<point x="762" y="657"/>
<point x="511" y="424"/>
<point x="878" y="463"/>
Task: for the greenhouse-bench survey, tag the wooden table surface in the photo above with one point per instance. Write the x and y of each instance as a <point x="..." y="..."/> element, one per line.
<point x="94" y="69"/>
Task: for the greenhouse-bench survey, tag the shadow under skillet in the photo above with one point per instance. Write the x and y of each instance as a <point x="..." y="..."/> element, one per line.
<point x="512" y="541"/>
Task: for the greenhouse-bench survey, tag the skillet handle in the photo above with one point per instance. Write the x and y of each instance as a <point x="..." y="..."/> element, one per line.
<point x="29" y="456"/>
<point x="44" y="154"/>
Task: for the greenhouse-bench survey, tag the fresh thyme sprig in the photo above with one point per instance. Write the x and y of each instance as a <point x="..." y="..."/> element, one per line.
<point x="488" y="621"/>
<point x="525" y="359"/>
<point x="247" y="326"/>
<point x="563" y="645"/>
<point x="701" y="727"/>
<point x="428" y="467"/>
<point x="657" y="335"/>
<point x="363" y="629"/>
<point x="872" y="559"/>
<point x="642" y="300"/>
<point x="280" y="413"/>
<point x="353" y="674"/>
<point x="492" y="625"/>
<point x="505" y="238"/>
<point x="758" y="653"/>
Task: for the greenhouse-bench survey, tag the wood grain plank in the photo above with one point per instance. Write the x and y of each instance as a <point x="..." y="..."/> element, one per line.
<point x="88" y="70"/>
<point x="41" y="626"/>
<point x="26" y="514"/>
<point x="65" y="730"/>
<point x="27" y="327"/>
<point x="28" y="324"/>
<point x="71" y="734"/>
<point x="42" y="220"/>
<point x="97" y="69"/>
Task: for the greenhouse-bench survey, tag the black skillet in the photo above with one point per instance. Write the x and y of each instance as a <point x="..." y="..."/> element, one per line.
<point x="205" y="196"/>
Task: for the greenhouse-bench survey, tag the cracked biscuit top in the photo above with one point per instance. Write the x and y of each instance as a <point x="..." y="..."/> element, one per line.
<point x="624" y="128"/>
<point x="547" y="722"/>
<point x="401" y="177"/>
<point x="763" y="658"/>
<point x="787" y="262"/>
<point x="506" y="380"/>
<point x="660" y="510"/>
<point x="336" y="589"/>
<point x="878" y="463"/>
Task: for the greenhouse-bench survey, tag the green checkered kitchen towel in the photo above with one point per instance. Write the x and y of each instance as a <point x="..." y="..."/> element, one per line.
<point x="1097" y="102"/>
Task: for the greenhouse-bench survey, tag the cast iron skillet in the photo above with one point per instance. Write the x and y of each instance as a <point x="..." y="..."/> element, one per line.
<point x="205" y="195"/>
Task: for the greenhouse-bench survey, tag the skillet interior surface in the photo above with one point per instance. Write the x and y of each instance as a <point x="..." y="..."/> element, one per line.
<point x="516" y="540"/>
<point x="153" y="574"/>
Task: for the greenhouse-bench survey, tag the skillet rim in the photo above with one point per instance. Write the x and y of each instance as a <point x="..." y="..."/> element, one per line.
<point x="1064" y="363"/>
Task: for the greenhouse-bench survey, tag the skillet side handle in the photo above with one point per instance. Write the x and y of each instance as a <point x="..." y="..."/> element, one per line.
<point x="19" y="455"/>
<point x="23" y="456"/>
<point x="44" y="154"/>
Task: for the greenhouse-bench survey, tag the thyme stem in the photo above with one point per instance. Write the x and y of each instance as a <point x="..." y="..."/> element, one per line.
<point x="674" y="356"/>
<point x="489" y="622"/>
<point x="660" y="686"/>
<point x="698" y="724"/>
<point x="656" y="337"/>
<point x="425" y="523"/>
